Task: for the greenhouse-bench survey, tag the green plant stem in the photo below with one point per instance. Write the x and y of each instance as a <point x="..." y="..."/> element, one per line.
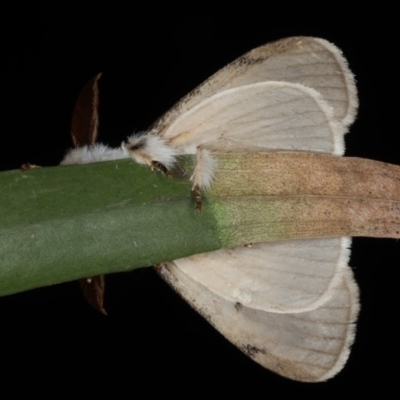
<point x="64" y="223"/>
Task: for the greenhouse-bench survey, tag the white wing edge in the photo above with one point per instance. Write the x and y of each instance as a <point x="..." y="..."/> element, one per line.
<point x="349" y="78"/>
<point x="351" y="333"/>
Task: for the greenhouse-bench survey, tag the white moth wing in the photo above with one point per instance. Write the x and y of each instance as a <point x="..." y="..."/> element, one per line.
<point x="299" y="333"/>
<point x="259" y="117"/>
<point x="309" y="346"/>
<point x="283" y="277"/>
<point x="308" y="61"/>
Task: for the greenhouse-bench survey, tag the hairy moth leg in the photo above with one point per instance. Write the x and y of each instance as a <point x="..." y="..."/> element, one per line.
<point x="203" y="174"/>
<point x="160" y="167"/>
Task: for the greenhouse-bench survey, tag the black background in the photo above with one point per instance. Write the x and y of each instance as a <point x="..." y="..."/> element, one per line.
<point x="151" y="339"/>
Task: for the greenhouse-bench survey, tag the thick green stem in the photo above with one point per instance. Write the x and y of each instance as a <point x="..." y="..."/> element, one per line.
<point x="65" y="223"/>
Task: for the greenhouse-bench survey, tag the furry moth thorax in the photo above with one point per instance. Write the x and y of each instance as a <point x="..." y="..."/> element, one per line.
<point x="148" y="148"/>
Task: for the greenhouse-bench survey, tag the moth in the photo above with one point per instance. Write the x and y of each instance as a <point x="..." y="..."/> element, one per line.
<point x="289" y="305"/>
